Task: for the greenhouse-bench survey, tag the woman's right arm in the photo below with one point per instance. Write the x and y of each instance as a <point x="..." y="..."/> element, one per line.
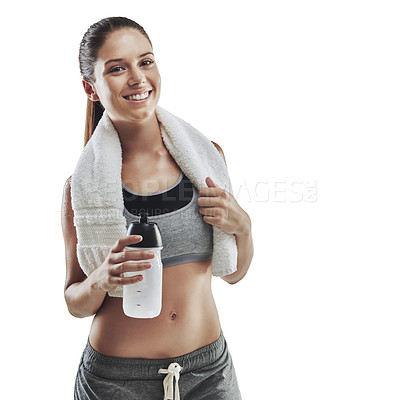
<point x="84" y="295"/>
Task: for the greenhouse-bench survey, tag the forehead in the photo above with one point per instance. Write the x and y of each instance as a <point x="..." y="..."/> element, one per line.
<point x="123" y="43"/>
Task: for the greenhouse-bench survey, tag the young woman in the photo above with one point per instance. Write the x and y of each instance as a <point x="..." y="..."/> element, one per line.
<point x="183" y="349"/>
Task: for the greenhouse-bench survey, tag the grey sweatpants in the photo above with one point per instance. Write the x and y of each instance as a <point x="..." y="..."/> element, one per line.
<point x="207" y="374"/>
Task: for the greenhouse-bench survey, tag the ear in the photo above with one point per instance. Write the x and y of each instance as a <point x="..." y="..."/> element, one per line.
<point x="90" y="90"/>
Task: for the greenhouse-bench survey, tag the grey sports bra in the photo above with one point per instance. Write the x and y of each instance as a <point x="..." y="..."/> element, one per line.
<point x="186" y="236"/>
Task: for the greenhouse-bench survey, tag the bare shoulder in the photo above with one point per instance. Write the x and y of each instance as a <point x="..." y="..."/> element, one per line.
<point x="219" y="150"/>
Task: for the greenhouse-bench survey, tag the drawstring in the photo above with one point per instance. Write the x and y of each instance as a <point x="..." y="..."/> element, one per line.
<point x="172" y="371"/>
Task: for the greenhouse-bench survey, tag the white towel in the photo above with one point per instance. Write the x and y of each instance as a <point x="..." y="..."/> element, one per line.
<point x="96" y="189"/>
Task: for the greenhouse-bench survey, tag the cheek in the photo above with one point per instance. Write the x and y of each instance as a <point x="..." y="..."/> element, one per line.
<point x="109" y="91"/>
<point x="155" y="77"/>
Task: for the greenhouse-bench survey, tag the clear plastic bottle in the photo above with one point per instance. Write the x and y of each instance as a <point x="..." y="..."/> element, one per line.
<point x="144" y="299"/>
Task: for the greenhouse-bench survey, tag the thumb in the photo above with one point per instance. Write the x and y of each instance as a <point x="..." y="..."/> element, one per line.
<point x="210" y="182"/>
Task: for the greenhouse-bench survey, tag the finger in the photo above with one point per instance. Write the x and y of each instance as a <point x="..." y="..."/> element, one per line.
<point x="131" y="255"/>
<point x="209" y="181"/>
<point x="122" y="281"/>
<point x="211" y="220"/>
<point x="211" y="202"/>
<point x="211" y="211"/>
<point x="211" y="192"/>
<point x="126" y="240"/>
<point x="129" y="266"/>
<point x="138" y="254"/>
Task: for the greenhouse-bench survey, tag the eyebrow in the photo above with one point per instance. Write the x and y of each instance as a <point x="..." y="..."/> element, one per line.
<point x="122" y="59"/>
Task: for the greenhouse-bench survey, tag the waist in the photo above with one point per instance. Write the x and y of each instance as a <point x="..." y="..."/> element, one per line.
<point x="136" y="368"/>
<point x="188" y="319"/>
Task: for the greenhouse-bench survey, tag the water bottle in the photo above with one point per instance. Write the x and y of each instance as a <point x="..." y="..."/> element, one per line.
<point x="144" y="299"/>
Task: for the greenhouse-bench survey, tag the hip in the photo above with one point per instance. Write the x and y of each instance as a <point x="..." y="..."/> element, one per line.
<point x="207" y="372"/>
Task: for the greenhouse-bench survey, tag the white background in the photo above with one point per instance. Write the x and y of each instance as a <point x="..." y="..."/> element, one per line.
<point x="303" y="97"/>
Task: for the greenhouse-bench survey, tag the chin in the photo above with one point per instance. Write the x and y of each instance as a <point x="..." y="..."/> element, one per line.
<point x="143" y="114"/>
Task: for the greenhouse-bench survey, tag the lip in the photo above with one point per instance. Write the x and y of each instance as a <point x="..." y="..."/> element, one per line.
<point x="136" y="93"/>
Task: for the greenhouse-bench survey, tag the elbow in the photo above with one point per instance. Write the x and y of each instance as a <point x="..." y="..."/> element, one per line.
<point x="78" y="314"/>
<point x="74" y="310"/>
<point x="230" y="281"/>
<point x="234" y="278"/>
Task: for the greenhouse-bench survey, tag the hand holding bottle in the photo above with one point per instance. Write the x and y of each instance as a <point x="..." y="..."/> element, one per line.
<point x="144" y="299"/>
<point x="120" y="260"/>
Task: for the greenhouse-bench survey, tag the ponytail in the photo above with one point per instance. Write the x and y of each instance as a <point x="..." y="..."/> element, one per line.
<point x="94" y="112"/>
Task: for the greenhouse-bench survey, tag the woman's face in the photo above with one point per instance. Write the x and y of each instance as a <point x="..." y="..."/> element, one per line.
<point x="127" y="80"/>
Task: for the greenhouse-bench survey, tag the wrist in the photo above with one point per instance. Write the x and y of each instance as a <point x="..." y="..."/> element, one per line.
<point x="94" y="282"/>
<point x="244" y="227"/>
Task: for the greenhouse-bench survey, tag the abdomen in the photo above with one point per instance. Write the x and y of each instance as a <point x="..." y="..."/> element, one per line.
<point x="188" y="320"/>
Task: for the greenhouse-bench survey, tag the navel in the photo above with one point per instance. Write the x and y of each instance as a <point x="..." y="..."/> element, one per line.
<point x="173" y="316"/>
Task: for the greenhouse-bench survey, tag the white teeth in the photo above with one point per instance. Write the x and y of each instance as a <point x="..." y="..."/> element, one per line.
<point x="138" y="96"/>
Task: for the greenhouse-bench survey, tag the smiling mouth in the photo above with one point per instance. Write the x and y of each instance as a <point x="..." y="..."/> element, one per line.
<point x="138" y="97"/>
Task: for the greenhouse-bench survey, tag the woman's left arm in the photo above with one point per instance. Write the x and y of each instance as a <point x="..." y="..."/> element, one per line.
<point x="221" y="209"/>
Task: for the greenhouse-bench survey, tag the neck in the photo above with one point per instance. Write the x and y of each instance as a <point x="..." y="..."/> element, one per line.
<point x="139" y="137"/>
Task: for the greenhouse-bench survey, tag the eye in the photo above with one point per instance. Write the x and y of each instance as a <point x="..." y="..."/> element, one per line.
<point x="117" y="68"/>
<point x="145" y="63"/>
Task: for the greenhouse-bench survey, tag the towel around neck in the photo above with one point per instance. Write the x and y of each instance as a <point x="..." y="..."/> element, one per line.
<point x="96" y="189"/>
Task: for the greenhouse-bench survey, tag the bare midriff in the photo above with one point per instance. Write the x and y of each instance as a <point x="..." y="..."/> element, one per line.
<point x="188" y="320"/>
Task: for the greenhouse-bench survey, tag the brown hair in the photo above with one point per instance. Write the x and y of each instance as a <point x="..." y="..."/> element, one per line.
<point x="91" y="43"/>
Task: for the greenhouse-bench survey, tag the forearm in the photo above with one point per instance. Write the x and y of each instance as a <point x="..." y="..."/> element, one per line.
<point x="245" y="250"/>
<point x="84" y="298"/>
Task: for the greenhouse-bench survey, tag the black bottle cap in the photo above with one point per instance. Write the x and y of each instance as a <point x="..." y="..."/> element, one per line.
<point x="148" y="230"/>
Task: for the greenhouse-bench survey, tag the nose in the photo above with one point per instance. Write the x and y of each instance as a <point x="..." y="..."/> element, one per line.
<point x="136" y="78"/>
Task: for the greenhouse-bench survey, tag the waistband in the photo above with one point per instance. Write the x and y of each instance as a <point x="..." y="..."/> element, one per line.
<point x="142" y="368"/>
